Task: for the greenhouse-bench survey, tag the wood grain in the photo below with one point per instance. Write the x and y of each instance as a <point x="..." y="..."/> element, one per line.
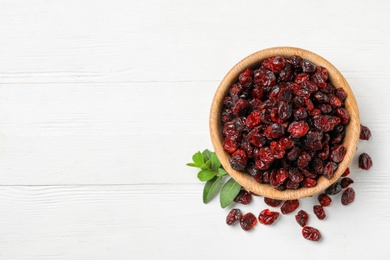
<point x="335" y="77"/>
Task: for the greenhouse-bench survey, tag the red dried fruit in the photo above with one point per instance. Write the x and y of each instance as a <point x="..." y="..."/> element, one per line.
<point x="265" y="154"/>
<point x="365" y="132"/>
<point x="333" y="189"/>
<point x="253" y="119"/>
<point x="240" y="107"/>
<point x="324" y="200"/>
<point x="319" y="212"/>
<point x="348" y="196"/>
<point x="298" y="129"/>
<point x="289" y="206"/>
<point x="286" y="142"/>
<point x="365" y="161"/>
<point x="243" y="197"/>
<point x="281" y="175"/>
<point x="311" y="233"/>
<point x="308" y="66"/>
<point x="329" y="169"/>
<point x="233" y="216"/>
<point x="346" y="172"/>
<point x="334" y="101"/>
<point x="277" y="150"/>
<point x="274" y="64"/>
<point x="309" y="182"/>
<point x="267" y="217"/>
<point x="248" y="221"/>
<point x="343" y="114"/>
<point x="272" y="202"/>
<point x="238" y="160"/>
<point x="261" y="165"/>
<point x="274" y="131"/>
<point x="230" y="146"/>
<point x="341" y="94"/>
<point x="337" y="153"/>
<point x="302" y="217"/>
<point x="301" y="78"/>
<point x="345" y="182"/>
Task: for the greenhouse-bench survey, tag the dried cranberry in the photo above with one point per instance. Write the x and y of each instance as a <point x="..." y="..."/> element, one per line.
<point x="343" y="114"/>
<point x="348" y="196"/>
<point x="345" y="182"/>
<point x="302" y="217"/>
<point x="243" y="197"/>
<point x="346" y="172"/>
<point x="286" y="142"/>
<point x="240" y="107"/>
<point x="301" y="78"/>
<point x="272" y="202"/>
<point x="230" y="146"/>
<point x="289" y="206"/>
<point x="238" y="160"/>
<point x="300" y="113"/>
<point x="233" y="216"/>
<point x="334" y="101"/>
<point x="248" y="221"/>
<point x="365" y="132"/>
<point x="309" y="182"/>
<point x="337" y="153"/>
<point x="311" y="233"/>
<point x="329" y="169"/>
<point x="253" y="119"/>
<point x="298" y="129"/>
<point x="324" y="200"/>
<point x="274" y="64"/>
<point x="334" y="189"/>
<point x="294" y="153"/>
<point x="268" y="217"/>
<point x="274" y="131"/>
<point x="308" y="66"/>
<point x="365" y="161"/>
<point x="319" y="212"/>
<point x="277" y="150"/>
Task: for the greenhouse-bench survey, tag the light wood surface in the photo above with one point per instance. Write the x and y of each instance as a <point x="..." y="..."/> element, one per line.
<point x="335" y="77"/>
<point x="102" y="103"/>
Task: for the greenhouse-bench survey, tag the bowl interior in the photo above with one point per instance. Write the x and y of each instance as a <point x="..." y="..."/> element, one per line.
<point x="352" y="130"/>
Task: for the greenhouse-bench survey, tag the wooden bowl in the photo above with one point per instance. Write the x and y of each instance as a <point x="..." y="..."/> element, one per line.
<point x="352" y="130"/>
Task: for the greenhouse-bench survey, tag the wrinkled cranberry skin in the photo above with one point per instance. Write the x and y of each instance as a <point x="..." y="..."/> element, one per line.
<point x="365" y="132"/>
<point x="267" y="217"/>
<point x="298" y="129"/>
<point x="243" y="197"/>
<point x="272" y="202"/>
<point x="324" y="200"/>
<point x="274" y="64"/>
<point x="302" y="217"/>
<point x="348" y="196"/>
<point x="365" y="161"/>
<point x="345" y="182"/>
<point x="346" y="172"/>
<point x="311" y="233"/>
<point x="337" y="153"/>
<point x="333" y="189"/>
<point x="329" y="169"/>
<point x="233" y="216"/>
<point x="248" y="221"/>
<point x="238" y="160"/>
<point x="319" y="212"/>
<point x="289" y="206"/>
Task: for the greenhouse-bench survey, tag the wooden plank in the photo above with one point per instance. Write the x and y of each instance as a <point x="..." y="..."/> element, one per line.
<point x="171" y="222"/>
<point x="98" y="41"/>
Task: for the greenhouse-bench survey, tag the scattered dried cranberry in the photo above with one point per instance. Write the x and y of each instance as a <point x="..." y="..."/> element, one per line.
<point x="268" y="217"/>
<point x="365" y="161"/>
<point x="346" y="172"/>
<point x="272" y="202"/>
<point x="311" y="233"/>
<point x="334" y="189"/>
<point x="248" y="221"/>
<point x="345" y="182"/>
<point x="324" y="200"/>
<point x="348" y="196"/>
<point x="302" y="217"/>
<point x="289" y="206"/>
<point x="319" y="212"/>
<point x="365" y="132"/>
<point x="243" y="197"/>
<point x="233" y="216"/>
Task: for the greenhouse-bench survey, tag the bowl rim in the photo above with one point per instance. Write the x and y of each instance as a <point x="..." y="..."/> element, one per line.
<point x="335" y="77"/>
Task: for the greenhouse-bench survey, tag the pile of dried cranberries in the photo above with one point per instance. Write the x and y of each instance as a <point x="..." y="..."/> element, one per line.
<point x="284" y="122"/>
<point x="268" y="217"/>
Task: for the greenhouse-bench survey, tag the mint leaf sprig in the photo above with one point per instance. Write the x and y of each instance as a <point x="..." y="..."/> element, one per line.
<point x="212" y="172"/>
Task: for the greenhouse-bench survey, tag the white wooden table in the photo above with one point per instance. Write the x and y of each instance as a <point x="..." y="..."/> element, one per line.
<point x="103" y="102"/>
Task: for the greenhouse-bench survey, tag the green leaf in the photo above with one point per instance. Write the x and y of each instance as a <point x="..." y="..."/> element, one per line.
<point x="207" y="153"/>
<point x="199" y="159"/>
<point x="206" y="175"/>
<point x="215" y="163"/>
<point x="206" y="166"/>
<point x="229" y="192"/>
<point x="192" y="165"/>
<point x="211" y="189"/>
<point x="221" y="172"/>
